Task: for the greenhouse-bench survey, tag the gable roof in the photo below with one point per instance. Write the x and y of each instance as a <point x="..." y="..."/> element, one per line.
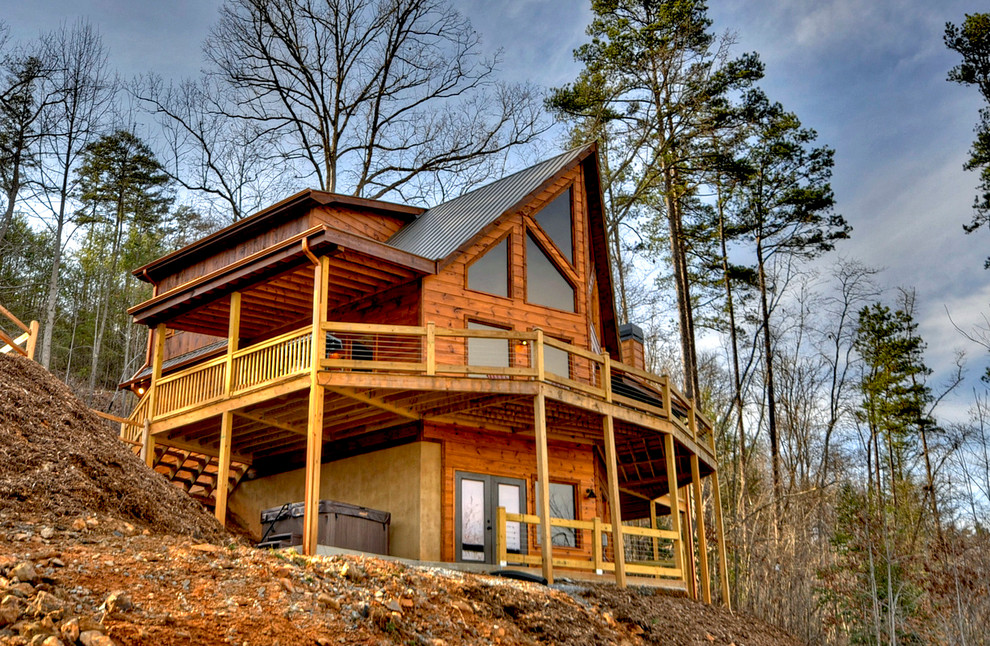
<point x="441" y="230"/>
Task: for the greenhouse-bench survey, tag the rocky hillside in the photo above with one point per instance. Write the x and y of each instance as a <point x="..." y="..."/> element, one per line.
<point x="95" y="549"/>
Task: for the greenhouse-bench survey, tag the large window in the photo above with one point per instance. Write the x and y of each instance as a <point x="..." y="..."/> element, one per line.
<point x="487" y="352"/>
<point x="545" y="285"/>
<point x="490" y="272"/>
<point x="555" y="220"/>
<point x="556" y="361"/>
<point x="561" y="506"/>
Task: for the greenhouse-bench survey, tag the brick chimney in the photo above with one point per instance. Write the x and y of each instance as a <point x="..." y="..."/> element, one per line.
<point x="631" y="339"/>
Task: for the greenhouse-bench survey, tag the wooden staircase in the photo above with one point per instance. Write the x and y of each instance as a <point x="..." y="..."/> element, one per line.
<point x="195" y="473"/>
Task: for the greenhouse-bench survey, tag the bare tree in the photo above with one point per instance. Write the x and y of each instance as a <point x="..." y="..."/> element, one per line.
<point x="230" y="161"/>
<point x="82" y="91"/>
<point x="371" y="97"/>
<point x="20" y="107"/>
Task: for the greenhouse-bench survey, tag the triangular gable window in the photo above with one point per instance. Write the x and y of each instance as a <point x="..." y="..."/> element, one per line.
<point x="490" y="272"/>
<point x="556" y="220"/>
<point x="545" y="284"/>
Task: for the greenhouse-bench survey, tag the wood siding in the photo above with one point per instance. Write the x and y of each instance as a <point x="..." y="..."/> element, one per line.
<point x="372" y="225"/>
<point x="276" y="234"/>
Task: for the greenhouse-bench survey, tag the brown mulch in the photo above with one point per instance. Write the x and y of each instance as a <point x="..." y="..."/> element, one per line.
<point x="58" y="461"/>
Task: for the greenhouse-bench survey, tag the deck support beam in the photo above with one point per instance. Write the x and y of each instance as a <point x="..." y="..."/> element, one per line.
<point x="223" y="467"/>
<point x="227" y="417"/>
<point x="723" y="562"/>
<point x="692" y="584"/>
<point x="157" y="359"/>
<point x="611" y="471"/>
<point x="675" y="516"/>
<point x="314" y="438"/>
<point x="699" y="513"/>
<point x="543" y="478"/>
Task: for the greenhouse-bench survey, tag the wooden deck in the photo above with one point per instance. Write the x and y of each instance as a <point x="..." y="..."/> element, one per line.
<point x="378" y="375"/>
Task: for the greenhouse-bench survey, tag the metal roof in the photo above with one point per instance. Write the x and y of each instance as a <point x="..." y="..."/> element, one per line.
<point x="439" y="231"/>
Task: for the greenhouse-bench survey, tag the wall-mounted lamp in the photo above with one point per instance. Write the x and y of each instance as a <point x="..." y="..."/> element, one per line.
<point x="140" y="390"/>
<point x="589" y="493"/>
<point x="522" y="344"/>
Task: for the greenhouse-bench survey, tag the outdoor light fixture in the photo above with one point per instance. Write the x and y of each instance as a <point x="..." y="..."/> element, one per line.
<point x="590" y="493"/>
<point x="140" y="390"/>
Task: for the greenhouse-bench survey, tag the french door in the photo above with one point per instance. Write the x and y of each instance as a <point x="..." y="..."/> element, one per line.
<point x="477" y="497"/>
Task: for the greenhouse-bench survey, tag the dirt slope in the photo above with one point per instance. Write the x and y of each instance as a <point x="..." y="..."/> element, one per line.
<point x="97" y="550"/>
<point x="58" y="460"/>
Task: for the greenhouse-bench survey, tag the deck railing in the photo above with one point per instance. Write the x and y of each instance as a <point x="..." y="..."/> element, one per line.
<point x="431" y="351"/>
<point x="28" y="337"/>
<point x="595" y="544"/>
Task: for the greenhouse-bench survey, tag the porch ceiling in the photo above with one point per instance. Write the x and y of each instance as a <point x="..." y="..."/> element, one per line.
<point x="272" y="434"/>
<point x="276" y="284"/>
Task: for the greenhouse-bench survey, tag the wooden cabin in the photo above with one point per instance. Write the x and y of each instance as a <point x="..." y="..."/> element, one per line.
<point x="460" y="367"/>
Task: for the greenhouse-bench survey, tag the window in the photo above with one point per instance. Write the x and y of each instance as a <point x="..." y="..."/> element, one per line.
<point x="487" y="352"/>
<point x="556" y="361"/>
<point x="490" y="272"/>
<point x="561" y="506"/>
<point x="545" y="285"/>
<point x="555" y="219"/>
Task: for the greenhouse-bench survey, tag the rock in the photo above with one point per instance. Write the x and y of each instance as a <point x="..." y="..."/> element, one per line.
<point x="44" y="604"/>
<point x="24" y="571"/>
<point x="118" y="601"/>
<point x="407" y="603"/>
<point x="52" y="640"/>
<point x="129" y="530"/>
<point x="79" y="524"/>
<point x="205" y="547"/>
<point x="94" y="638"/>
<point x="353" y="572"/>
<point x="10" y="610"/>
<point x="47" y="532"/>
<point x="70" y="630"/>
<point x="326" y="600"/>
<point x="22" y="590"/>
<point x="394" y="605"/>
<point x="463" y="606"/>
<point x="92" y="523"/>
<point x="56" y="562"/>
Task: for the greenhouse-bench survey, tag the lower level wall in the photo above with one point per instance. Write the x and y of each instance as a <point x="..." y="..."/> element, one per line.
<point x="502" y="454"/>
<point x="403" y="480"/>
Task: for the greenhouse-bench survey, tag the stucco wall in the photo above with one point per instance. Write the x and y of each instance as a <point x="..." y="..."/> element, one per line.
<point x="403" y="480"/>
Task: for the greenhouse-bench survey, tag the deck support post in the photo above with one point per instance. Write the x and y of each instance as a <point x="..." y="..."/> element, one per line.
<point x="611" y="470"/>
<point x="314" y="431"/>
<point x="157" y="358"/>
<point x="675" y="506"/>
<point x="723" y="562"/>
<point x="543" y="476"/>
<point x="227" y="417"/>
<point x="32" y="341"/>
<point x="689" y="544"/>
<point x="223" y="467"/>
<point x="653" y="525"/>
<point x="699" y="514"/>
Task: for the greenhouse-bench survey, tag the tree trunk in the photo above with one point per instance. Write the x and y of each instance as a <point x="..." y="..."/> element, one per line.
<point x="771" y="395"/>
<point x="681" y="283"/>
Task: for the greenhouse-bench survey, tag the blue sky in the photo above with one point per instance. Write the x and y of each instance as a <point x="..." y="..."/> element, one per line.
<point x="868" y="76"/>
